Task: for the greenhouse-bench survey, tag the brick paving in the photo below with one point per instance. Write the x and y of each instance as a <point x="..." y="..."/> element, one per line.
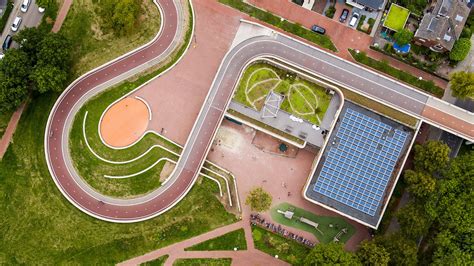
<point x="10" y="130"/>
<point x="61" y="15"/>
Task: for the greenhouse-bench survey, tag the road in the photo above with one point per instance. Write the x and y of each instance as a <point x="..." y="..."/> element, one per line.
<point x="275" y="45"/>
<point x="32" y="18"/>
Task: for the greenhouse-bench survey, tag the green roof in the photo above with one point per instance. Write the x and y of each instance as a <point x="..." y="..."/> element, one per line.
<point x="397" y="17"/>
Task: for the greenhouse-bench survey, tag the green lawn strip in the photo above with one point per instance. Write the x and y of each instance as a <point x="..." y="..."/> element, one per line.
<point x="274" y="244"/>
<point x="6" y="14"/>
<point x="203" y="262"/>
<point x="229" y="241"/>
<point x="93" y="45"/>
<point x="265" y="126"/>
<point x="299" y="101"/>
<point x="294" y="28"/>
<point x="425" y="85"/>
<point x="323" y="221"/>
<point x="4" y="119"/>
<point x="396" y="18"/>
<point x="379" y="107"/>
<point x="156" y="262"/>
<point x="39" y="226"/>
<point x="93" y="169"/>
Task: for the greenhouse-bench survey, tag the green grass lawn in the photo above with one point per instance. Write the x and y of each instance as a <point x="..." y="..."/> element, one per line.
<point x="92" y="46"/>
<point x="156" y="262"/>
<point x="328" y="233"/>
<point x="203" y="262"/>
<point x="229" y="241"/>
<point x="92" y="169"/>
<point x="273" y="244"/>
<point x="39" y="226"/>
<point x="396" y="18"/>
<point x="303" y="98"/>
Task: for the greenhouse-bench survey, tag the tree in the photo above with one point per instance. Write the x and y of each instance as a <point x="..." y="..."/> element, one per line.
<point x="369" y="253"/>
<point x="462" y="84"/>
<point x="48" y="78"/>
<point x="420" y="184"/>
<point x="403" y="37"/>
<point x="54" y="50"/>
<point x="120" y="15"/>
<point x="460" y="50"/>
<point x="16" y="66"/>
<point x="450" y="249"/>
<point x="259" y="200"/>
<point x="330" y="254"/>
<point x="414" y="221"/>
<point x="29" y="40"/>
<point x="402" y="250"/>
<point x="11" y="94"/>
<point x="431" y="156"/>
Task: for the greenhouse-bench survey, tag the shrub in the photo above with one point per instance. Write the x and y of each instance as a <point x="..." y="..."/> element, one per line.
<point x="460" y="50"/>
<point x="330" y="12"/>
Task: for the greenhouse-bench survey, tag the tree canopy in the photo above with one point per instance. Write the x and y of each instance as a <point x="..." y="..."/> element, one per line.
<point x="402" y="251"/>
<point x="432" y="156"/>
<point x="462" y="84"/>
<point x="330" y="254"/>
<point x="259" y="200"/>
<point x="403" y="37"/>
<point x="460" y="50"/>
<point x="369" y="253"/>
<point x="420" y="184"/>
<point x="120" y="15"/>
<point x="414" y="221"/>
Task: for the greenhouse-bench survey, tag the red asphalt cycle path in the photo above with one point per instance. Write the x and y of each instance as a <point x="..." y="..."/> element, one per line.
<point x="61" y="110"/>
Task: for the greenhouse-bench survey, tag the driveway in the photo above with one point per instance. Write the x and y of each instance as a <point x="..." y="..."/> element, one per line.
<point x="32" y="18"/>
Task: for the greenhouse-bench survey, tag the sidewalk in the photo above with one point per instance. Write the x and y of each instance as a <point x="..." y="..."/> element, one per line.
<point x="342" y="36"/>
<point x="8" y="135"/>
<point x="61" y="15"/>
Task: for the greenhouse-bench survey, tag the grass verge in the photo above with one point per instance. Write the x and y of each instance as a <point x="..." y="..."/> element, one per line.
<point x="6" y="14"/>
<point x="328" y="233"/>
<point x="294" y="28"/>
<point x="39" y="226"/>
<point x="273" y="244"/>
<point x="302" y="98"/>
<point x="156" y="262"/>
<point x="93" y="169"/>
<point x="92" y="46"/>
<point x="203" y="262"/>
<point x="229" y="241"/>
<point x="383" y="66"/>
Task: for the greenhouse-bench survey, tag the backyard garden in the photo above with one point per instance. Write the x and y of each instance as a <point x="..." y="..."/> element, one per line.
<point x="301" y="98"/>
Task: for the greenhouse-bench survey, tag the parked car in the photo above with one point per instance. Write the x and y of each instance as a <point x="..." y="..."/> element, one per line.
<point x="41" y="9"/>
<point x="1" y="56"/>
<point x="318" y="29"/>
<point x="25" y="5"/>
<point x="354" y="19"/>
<point x="344" y="14"/>
<point x="7" y="42"/>
<point x="16" y="24"/>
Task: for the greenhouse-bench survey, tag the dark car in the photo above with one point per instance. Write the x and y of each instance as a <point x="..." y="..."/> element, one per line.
<point x="318" y="29"/>
<point x="344" y="14"/>
<point x="7" y="42"/>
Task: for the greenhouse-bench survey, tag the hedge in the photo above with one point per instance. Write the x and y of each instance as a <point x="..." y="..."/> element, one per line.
<point x="383" y="66"/>
<point x="4" y="19"/>
<point x="294" y="28"/>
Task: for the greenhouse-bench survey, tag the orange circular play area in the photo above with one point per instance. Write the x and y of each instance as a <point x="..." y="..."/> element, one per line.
<point x="124" y="122"/>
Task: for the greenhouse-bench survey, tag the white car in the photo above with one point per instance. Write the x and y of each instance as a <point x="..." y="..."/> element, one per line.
<point x="2" y="56"/>
<point x="16" y="24"/>
<point x="25" y="5"/>
<point x="41" y="9"/>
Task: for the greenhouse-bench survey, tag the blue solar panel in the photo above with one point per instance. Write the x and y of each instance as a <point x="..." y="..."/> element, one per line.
<point x="357" y="169"/>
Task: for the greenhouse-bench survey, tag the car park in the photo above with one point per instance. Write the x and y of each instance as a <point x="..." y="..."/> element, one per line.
<point x="16" y="24"/>
<point x="354" y="19"/>
<point x="25" y="5"/>
<point x="7" y="42"/>
<point x="318" y="29"/>
<point x="344" y="15"/>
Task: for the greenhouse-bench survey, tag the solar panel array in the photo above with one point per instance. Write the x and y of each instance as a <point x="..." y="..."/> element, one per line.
<point x="359" y="166"/>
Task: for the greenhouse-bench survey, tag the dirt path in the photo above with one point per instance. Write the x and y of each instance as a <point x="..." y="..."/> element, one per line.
<point x="61" y="15"/>
<point x="7" y="136"/>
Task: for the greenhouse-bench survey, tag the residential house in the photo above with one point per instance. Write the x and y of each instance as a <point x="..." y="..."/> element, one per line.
<point x="442" y="25"/>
